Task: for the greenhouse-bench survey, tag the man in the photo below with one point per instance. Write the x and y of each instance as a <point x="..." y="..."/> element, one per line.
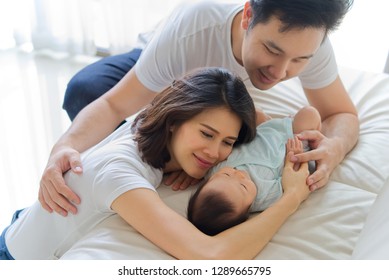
<point x="265" y="42"/>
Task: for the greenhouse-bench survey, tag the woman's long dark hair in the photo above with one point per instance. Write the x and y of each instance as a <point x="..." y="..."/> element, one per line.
<point x="203" y="89"/>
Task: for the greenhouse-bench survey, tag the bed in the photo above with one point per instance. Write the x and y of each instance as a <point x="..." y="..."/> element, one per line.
<point x="344" y="220"/>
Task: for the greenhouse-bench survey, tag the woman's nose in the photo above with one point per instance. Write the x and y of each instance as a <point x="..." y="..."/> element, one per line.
<point x="213" y="150"/>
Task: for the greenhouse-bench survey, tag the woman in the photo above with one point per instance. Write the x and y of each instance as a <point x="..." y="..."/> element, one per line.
<point x="190" y="126"/>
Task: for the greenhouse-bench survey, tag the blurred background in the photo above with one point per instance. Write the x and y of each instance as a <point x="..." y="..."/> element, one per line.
<point x="43" y="43"/>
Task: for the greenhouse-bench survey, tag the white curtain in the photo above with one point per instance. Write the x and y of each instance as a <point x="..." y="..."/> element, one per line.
<point x="79" y="26"/>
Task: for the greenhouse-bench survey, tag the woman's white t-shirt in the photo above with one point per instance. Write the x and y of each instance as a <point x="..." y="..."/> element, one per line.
<point x="111" y="168"/>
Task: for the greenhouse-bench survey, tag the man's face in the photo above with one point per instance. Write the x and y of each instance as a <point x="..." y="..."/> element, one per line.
<point x="270" y="56"/>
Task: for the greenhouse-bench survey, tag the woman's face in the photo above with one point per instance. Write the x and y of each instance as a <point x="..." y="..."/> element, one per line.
<point x="203" y="141"/>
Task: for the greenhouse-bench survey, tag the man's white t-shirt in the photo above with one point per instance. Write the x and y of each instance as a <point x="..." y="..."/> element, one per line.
<point x="111" y="168"/>
<point x="199" y="35"/>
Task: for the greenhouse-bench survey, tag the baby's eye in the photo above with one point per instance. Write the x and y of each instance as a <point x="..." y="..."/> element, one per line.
<point x="227" y="174"/>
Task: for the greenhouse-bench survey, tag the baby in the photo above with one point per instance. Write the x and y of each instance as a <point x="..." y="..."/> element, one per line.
<point x="250" y="179"/>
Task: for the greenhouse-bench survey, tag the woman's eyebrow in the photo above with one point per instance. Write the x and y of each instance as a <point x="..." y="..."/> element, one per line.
<point x="216" y="131"/>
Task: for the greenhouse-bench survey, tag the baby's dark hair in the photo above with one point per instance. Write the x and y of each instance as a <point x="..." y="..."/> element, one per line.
<point x="213" y="213"/>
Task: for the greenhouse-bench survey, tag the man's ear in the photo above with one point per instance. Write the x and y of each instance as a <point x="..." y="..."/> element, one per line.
<point x="246" y="16"/>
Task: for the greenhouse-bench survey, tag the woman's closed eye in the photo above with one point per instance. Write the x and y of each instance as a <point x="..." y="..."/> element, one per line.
<point x="206" y="134"/>
<point x="229" y="143"/>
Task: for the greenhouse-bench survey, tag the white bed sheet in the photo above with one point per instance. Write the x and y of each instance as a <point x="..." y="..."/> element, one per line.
<point x="373" y="243"/>
<point x="328" y="224"/>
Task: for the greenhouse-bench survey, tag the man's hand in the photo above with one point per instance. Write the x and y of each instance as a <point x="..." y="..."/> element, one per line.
<point x="325" y="151"/>
<point x="54" y="194"/>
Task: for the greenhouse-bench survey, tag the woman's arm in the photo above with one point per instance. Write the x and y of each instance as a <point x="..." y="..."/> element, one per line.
<point x="146" y="212"/>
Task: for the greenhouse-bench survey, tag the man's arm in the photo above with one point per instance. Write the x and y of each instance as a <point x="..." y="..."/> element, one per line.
<point x="340" y="131"/>
<point x="92" y="124"/>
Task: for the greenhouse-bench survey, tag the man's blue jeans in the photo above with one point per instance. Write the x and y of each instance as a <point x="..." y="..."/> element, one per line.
<point x="96" y="79"/>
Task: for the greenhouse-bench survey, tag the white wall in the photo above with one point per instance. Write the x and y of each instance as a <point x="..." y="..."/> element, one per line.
<point x="362" y="40"/>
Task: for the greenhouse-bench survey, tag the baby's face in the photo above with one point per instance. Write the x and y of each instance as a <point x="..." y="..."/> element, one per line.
<point x="235" y="184"/>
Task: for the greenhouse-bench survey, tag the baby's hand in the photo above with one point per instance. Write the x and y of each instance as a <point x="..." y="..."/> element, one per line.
<point x="296" y="146"/>
<point x="294" y="181"/>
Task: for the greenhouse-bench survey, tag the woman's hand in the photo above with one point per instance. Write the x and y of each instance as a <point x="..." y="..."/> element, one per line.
<point x="54" y="194"/>
<point x="294" y="180"/>
<point x="179" y="180"/>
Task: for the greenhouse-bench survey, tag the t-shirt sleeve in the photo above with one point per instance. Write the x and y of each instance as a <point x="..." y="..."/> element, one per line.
<point x="193" y="36"/>
<point x="122" y="174"/>
<point x="322" y="70"/>
<point x="162" y="61"/>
